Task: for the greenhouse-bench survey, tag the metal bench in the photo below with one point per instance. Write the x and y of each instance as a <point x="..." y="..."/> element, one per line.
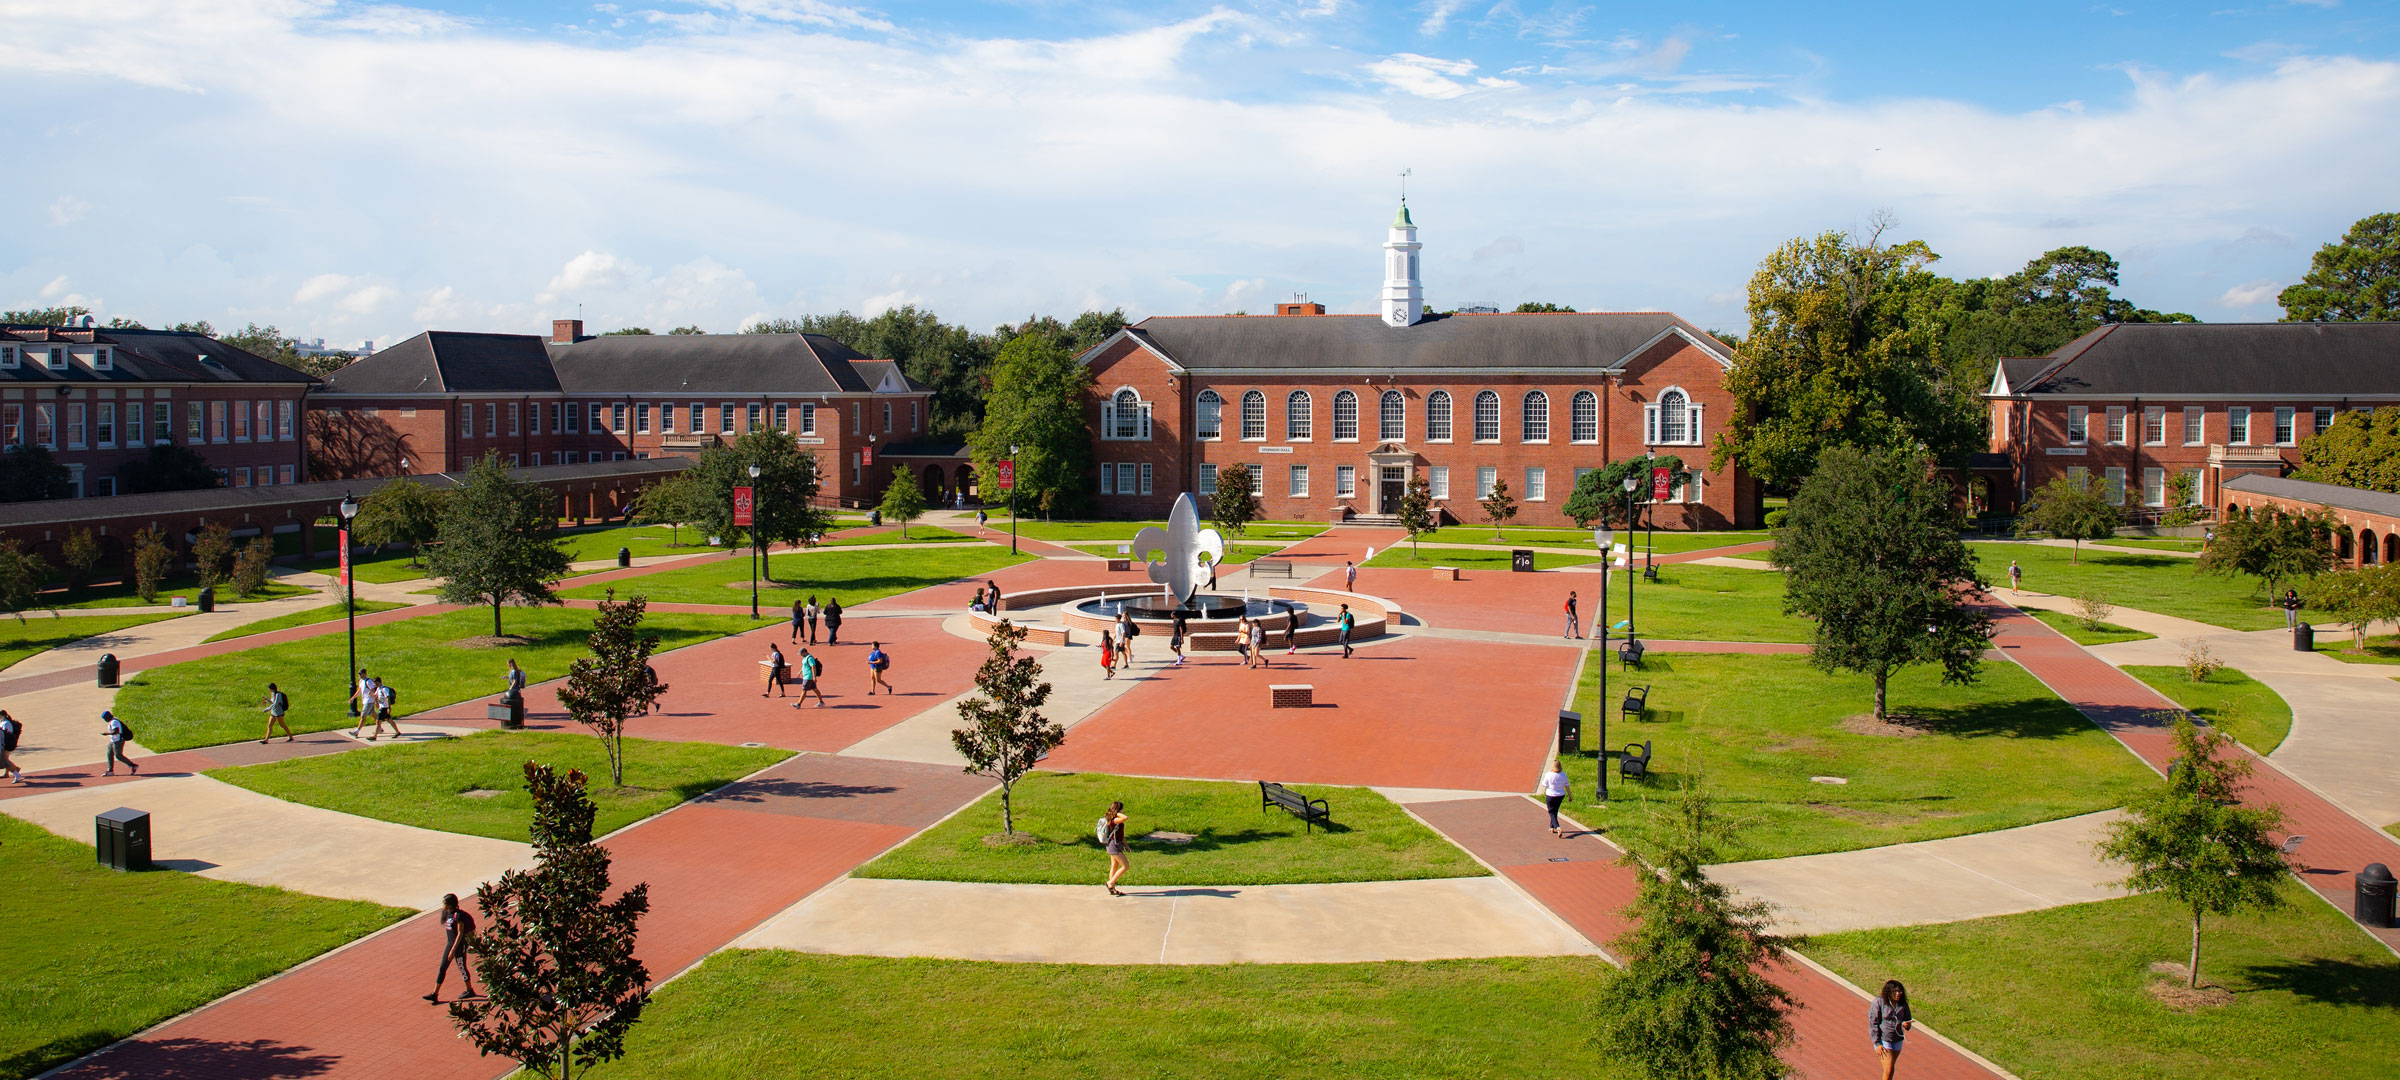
<point x="1637" y="701"/>
<point x="1277" y="567"/>
<point x="1633" y="766"/>
<point x="1309" y="811"/>
<point x="1629" y="655"/>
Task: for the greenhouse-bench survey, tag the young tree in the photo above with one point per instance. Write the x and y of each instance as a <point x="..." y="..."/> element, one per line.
<point x="1498" y="507"/>
<point x="1416" y="509"/>
<point x="2192" y="839"/>
<point x="2367" y="594"/>
<point x="2356" y="280"/>
<point x="210" y="548"/>
<point x="153" y="560"/>
<point x="784" y="505"/>
<point x="1693" y="1001"/>
<point x="2071" y="510"/>
<point x="21" y="575"/>
<point x="561" y="980"/>
<point x="1870" y="551"/>
<point x="2183" y="500"/>
<point x="1006" y="734"/>
<point x="1037" y="403"/>
<point x="251" y="564"/>
<point x="2272" y="546"/>
<point x="903" y="501"/>
<point x="1234" y="505"/>
<point x="615" y="683"/>
<point x="80" y="552"/>
<point x="499" y="541"/>
<point x="402" y="511"/>
<point x="673" y="502"/>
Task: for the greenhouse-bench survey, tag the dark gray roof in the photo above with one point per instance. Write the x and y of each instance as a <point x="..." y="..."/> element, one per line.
<point x="448" y="361"/>
<point x="329" y="492"/>
<point x="2020" y="370"/>
<point x="2290" y="360"/>
<point x="711" y="364"/>
<point x="1550" y="340"/>
<point x="143" y="356"/>
<point x="2347" y="498"/>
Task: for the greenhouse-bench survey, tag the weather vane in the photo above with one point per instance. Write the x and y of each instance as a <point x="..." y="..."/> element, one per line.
<point x="1404" y="174"/>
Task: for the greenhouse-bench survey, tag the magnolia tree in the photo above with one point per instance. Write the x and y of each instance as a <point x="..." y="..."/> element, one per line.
<point x="1006" y="734"/>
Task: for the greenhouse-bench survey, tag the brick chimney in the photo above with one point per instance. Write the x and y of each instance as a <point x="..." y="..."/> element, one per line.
<point x="1300" y="307"/>
<point x="566" y="331"/>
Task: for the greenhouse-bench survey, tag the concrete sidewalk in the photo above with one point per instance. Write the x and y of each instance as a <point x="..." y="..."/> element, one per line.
<point x="1078" y="689"/>
<point x="1963" y="877"/>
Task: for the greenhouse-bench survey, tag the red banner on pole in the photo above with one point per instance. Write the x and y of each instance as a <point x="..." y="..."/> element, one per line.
<point x="1659" y="488"/>
<point x="866" y="457"/>
<point x="744" y="501"/>
<point x="345" y="542"/>
<point x="1005" y="474"/>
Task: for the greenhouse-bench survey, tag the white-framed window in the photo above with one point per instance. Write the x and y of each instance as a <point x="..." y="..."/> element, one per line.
<point x="2195" y="425"/>
<point x="2284" y="433"/>
<point x="1534" y="425"/>
<point x="699" y="416"/>
<point x="808" y="419"/>
<point x="887" y="417"/>
<point x="2154" y="425"/>
<point x="103" y="360"/>
<point x="756" y="415"/>
<point x="216" y="422"/>
<point x="2080" y="475"/>
<point x="912" y="415"/>
<point x="1145" y="478"/>
<point x="783" y="415"/>
<point x="75" y="425"/>
<point x="1345" y="417"/>
<point x="241" y="476"/>
<point x="8" y="357"/>
<point x="1299" y="416"/>
<point x="1391" y="417"/>
<point x="1686" y="493"/>
<point x="2237" y="425"/>
<point x="1345" y="481"/>
<point x="558" y="416"/>
<point x="1125" y="477"/>
<point x="2192" y="495"/>
<point x="283" y="420"/>
<point x="1299" y="481"/>
<point x="1672" y="420"/>
<point x="104" y="427"/>
<point x="1583" y="424"/>
<point x="105" y="486"/>
<point x="1108" y="478"/>
<point x="666" y="418"/>
<point x="1579" y="471"/>
<point x="2079" y="424"/>
<point x="2116" y="425"/>
<point x="1125" y="417"/>
<point x="616" y="418"/>
<point x="58" y="360"/>
<point x="1209" y="417"/>
<point x="45" y="424"/>
<point x="1258" y="482"/>
<point x="1254" y="416"/>
<point x="512" y="460"/>
<point x="1487" y="416"/>
<point x="2319" y="419"/>
<point x="1208" y="480"/>
<point x="134" y="428"/>
<point x="1437" y="482"/>
<point x="641" y="419"/>
<point x="1437" y="416"/>
<point x="162" y="420"/>
<point x="1537" y="483"/>
<point x="193" y="423"/>
<point x="2116" y="485"/>
<point x="265" y="428"/>
<point x="613" y="455"/>
<point x="1485" y="477"/>
<point x="241" y="421"/>
<point x="2154" y="487"/>
<point x="574" y="420"/>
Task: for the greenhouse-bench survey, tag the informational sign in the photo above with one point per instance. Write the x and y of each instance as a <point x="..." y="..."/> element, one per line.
<point x="744" y="502"/>
<point x="866" y="457"/>
<point x="1005" y="474"/>
<point x="345" y="542"/>
<point x="1659" y="487"/>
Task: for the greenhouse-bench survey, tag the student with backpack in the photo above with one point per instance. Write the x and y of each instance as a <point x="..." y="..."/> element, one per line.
<point x="1349" y="622"/>
<point x="1125" y="635"/>
<point x="777" y="670"/>
<point x="810" y="668"/>
<point x="1111" y="833"/>
<point x="384" y="697"/>
<point x="812" y="611"/>
<point x="10" y="732"/>
<point x="277" y="705"/>
<point x="362" y="701"/>
<point x="458" y="933"/>
<point x="1574" y="619"/>
<point x="833" y="622"/>
<point x="878" y="662"/>
<point x="118" y="735"/>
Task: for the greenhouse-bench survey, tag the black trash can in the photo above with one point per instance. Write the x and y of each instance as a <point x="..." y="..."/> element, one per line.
<point x="108" y="671"/>
<point x="624" y="556"/>
<point x="1570" y="732"/>
<point x="2374" y="896"/>
<point x="122" y="836"/>
<point x="208" y="600"/>
<point x="875" y="517"/>
<point x="1520" y="561"/>
<point x="2304" y="638"/>
<point x="509" y="710"/>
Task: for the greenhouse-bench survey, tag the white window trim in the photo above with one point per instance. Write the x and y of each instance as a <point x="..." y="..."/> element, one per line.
<point x="1336" y="417"/>
<point x="1475" y="419"/>
<point x="1652" y="419"/>
<point x="1243" y="417"/>
<point x="1449" y="421"/>
<point x="1109" y="416"/>
<point x="1198" y="402"/>
<point x="1530" y="495"/>
<point x="1340" y="490"/>
<point x="2079" y="434"/>
<point x="2161" y="412"/>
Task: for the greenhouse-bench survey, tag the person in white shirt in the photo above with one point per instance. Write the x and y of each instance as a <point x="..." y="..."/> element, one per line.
<point x="1553" y="791"/>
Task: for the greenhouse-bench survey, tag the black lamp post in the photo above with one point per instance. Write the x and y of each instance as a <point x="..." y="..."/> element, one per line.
<point x="1012" y="498"/>
<point x="754" y="543"/>
<point x="349" y="509"/>
<point x="1602" y="537"/>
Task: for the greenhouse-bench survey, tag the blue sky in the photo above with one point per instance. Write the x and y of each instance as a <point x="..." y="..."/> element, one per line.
<point x="351" y="170"/>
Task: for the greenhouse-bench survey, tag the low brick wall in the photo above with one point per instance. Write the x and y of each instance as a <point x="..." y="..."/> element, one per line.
<point x="1294" y="696"/>
<point x="1035" y="634"/>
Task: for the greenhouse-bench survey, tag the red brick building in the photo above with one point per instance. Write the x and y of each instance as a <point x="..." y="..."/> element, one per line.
<point x="2370" y="520"/>
<point x="2137" y="403"/>
<point x="1334" y="413"/>
<point x="99" y="398"/>
<point x="439" y="401"/>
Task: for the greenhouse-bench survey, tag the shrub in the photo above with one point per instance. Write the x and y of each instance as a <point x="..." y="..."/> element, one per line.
<point x="2092" y="610"/>
<point x="153" y="560"/>
<point x="1777" y="516"/>
<point x="250" y="565"/>
<point x="2199" y="661"/>
<point x="209" y="552"/>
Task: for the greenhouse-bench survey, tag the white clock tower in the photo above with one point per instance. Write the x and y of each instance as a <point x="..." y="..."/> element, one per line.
<point x="1403" y="291"/>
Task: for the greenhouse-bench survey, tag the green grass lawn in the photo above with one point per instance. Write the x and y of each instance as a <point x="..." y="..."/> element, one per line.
<point x="424" y="784"/>
<point x="373" y="567"/>
<point x="213" y="701"/>
<point x="917" y="534"/>
<point x="853" y="576"/>
<point x="310" y="617"/>
<point x="1704" y="603"/>
<point x="2064" y="992"/>
<point x="1285" y="531"/>
<point x="2163" y="584"/>
<point x="1471" y="558"/>
<point x="2152" y="543"/>
<point x="2338" y="642"/>
<point x="1235" y="841"/>
<point x="183" y="585"/>
<point x="2107" y="634"/>
<point x="2230" y="701"/>
<point x="602" y="542"/>
<point x="1662" y="541"/>
<point x="41" y="632"/>
<point x="95" y="955"/>
<point x="2002" y="753"/>
<point x="759" y="1014"/>
<point x="1235" y="554"/>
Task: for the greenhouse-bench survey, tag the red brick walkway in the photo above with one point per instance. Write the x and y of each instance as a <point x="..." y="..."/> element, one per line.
<point x="2338" y="844"/>
<point x="1580" y="880"/>
<point x="716" y="867"/>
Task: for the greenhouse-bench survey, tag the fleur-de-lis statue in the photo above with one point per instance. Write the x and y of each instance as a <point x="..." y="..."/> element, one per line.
<point x="1184" y="551"/>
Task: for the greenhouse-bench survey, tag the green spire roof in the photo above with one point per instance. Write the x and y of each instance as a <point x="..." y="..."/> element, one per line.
<point x="1401" y="221"/>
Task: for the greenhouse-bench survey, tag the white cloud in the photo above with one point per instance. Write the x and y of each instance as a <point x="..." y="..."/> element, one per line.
<point x="2250" y="294"/>
<point x="67" y="210"/>
<point x="319" y="287"/>
<point x="1424" y="76"/>
<point x="1437" y="16"/>
<point x="590" y="271"/>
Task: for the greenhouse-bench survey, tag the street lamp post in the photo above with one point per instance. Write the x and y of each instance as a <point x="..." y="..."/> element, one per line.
<point x="1012" y="498"/>
<point x="754" y="553"/>
<point x="1602" y="537"/>
<point x="349" y="509"/>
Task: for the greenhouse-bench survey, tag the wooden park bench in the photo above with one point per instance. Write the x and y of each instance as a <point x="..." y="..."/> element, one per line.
<point x="1309" y="811"/>
<point x="1277" y="567"/>
<point x="1633" y="766"/>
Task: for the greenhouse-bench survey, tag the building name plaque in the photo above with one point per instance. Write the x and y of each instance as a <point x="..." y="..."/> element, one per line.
<point x="2064" y="451"/>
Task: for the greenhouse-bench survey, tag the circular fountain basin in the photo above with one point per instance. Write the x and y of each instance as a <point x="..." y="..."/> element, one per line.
<point x="1151" y="607"/>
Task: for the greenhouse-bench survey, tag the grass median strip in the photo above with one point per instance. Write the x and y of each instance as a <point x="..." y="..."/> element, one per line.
<point x="1233" y="841"/>
<point x="1763" y="730"/>
<point x="1705" y="603"/>
<point x="42" y="632"/>
<point x="854" y="577"/>
<point x="310" y="617"/>
<point x="95" y="954"/>
<point x="1284" y="532"/>
<point x="2230" y="701"/>
<point x="757" y="1013"/>
<point x="2162" y="584"/>
<point x="476" y="784"/>
<point x="917" y="534"/>
<point x="2073" y="628"/>
<point x="1400" y="556"/>
<point x="430" y="661"/>
<point x="1662" y="541"/>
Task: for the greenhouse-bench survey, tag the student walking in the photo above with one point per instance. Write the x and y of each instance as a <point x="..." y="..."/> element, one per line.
<point x="778" y="672"/>
<point x="10" y="732"/>
<point x="1349" y="576"/>
<point x="2291" y="609"/>
<point x="1126" y="632"/>
<point x="833" y="622"/>
<point x="118" y="735"/>
<point x="2016" y="577"/>
<point x="799" y="618"/>
<point x="1347" y="622"/>
<point x="812" y="611"/>
<point x="811" y="669"/>
<point x="1175" y="634"/>
<point x="1888" y="1023"/>
<point x="384" y="696"/>
<point x="1241" y="639"/>
<point x="1291" y="634"/>
<point x="1553" y="790"/>
<point x="1108" y="656"/>
<point x="1112" y="838"/>
<point x="1258" y="643"/>
<point x="1574" y="620"/>
<point x="362" y="702"/>
<point x="996" y="601"/>
<point x="878" y="662"/>
<point x="458" y="932"/>
<point x="277" y="704"/>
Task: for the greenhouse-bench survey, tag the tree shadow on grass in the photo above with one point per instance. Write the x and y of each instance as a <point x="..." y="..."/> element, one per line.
<point x="2331" y="981"/>
<point x="2026" y="718"/>
<point x="174" y="1059"/>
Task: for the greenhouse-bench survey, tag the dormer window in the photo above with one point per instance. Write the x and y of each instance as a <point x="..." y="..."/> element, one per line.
<point x="101" y="360"/>
<point x="58" y="359"/>
<point x="8" y="357"/>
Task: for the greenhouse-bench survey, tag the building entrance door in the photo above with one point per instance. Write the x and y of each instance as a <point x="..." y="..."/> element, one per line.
<point x="1394" y="484"/>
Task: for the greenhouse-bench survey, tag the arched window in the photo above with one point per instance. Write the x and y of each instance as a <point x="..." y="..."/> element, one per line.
<point x="1297" y="415"/>
<point x="1487" y="417"/>
<point x="1672" y="420"/>
<point x="1437" y="416"/>
<point x="1211" y="421"/>
<point x="1345" y="416"/>
<point x="1536" y="423"/>
<point x="1125" y="418"/>
<point x="1586" y="419"/>
<point x="1254" y="415"/>
<point x="1391" y="422"/>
